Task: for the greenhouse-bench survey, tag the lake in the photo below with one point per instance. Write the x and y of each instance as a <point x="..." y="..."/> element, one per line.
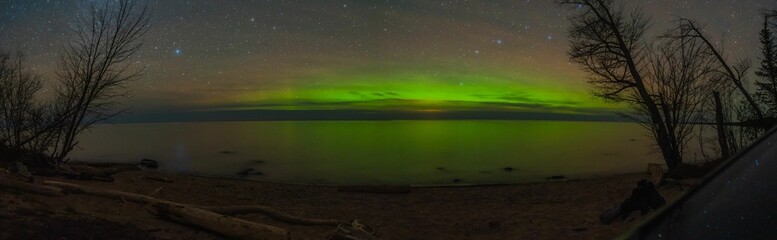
<point x="433" y="152"/>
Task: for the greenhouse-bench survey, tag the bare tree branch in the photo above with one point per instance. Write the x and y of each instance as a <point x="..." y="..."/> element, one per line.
<point x="609" y="44"/>
<point x="94" y="66"/>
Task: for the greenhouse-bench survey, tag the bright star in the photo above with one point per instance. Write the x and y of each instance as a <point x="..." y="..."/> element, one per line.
<point x="177" y="52"/>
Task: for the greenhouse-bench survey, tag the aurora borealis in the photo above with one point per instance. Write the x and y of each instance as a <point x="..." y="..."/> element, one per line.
<point x="271" y="56"/>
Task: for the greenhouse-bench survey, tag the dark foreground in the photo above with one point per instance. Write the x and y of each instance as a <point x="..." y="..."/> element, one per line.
<point x="547" y="210"/>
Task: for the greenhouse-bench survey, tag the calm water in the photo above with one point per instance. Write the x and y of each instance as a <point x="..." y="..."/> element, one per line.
<point x="373" y="152"/>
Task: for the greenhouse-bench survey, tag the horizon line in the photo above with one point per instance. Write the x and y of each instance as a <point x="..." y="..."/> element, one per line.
<point x="354" y="115"/>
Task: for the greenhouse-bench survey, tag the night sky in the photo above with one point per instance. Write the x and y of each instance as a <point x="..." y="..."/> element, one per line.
<point x="248" y="59"/>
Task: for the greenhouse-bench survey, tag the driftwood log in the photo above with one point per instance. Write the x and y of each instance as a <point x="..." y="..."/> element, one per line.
<point x="225" y="210"/>
<point x="30" y="187"/>
<point x="213" y="218"/>
<point x="88" y="175"/>
<point x="132" y="197"/>
<point x="228" y="226"/>
<point x="273" y="213"/>
<point x="159" y="179"/>
<point x="224" y="225"/>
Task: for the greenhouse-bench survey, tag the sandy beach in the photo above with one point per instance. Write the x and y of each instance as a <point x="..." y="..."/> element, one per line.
<point x="543" y="210"/>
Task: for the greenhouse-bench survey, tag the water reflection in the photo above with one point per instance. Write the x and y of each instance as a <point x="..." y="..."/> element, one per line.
<point x="413" y="152"/>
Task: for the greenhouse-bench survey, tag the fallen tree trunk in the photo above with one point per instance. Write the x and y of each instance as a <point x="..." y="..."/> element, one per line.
<point x="144" y="199"/>
<point x="159" y="179"/>
<point x="133" y="197"/>
<point x="273" y="213"/>
<point x="30" y="187"/>
<point x="86" y="175"/>
<point x="228" y="226"/>
<point x="225" y="225"/>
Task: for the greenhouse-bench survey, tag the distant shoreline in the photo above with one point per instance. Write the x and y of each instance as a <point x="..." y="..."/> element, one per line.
<point x="461" y="185"/>
<point x="128" y="166"/>
<point x="356" y="115"/>
<point x="355" y="120"/>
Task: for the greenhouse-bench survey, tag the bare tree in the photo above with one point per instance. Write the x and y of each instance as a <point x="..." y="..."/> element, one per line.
<point x="735" y="74"/>
<point x="609" y="44"/>
<point x="682" y="76"/>
<point x="19" y="115"/>
<point x="95" y="67"/>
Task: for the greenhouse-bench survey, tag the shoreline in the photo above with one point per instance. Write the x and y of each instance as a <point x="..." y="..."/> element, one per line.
<point x="134" y="167"/>
<point x="460" y="185"/>
<point x="537" y="210"/>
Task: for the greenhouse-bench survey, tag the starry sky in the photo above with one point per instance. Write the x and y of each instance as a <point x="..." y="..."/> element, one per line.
<point x="255" y="59"/>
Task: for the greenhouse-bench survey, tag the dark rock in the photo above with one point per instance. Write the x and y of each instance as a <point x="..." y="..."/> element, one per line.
<point x="557" y="177"/>
<point x="440" y="168"/>
<point x="226" y="152"/>
<point x="21" y="170"/>
<point x="249" y="171"/>
<point x="148" y="163"/>
<point x="245" y="172"/>
<point x="457" y="180"/>
<point x="374" y="188"/>
<point x="508" y="169"/>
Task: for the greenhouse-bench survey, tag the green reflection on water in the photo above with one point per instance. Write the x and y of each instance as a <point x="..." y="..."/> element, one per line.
<point x="370" y="152"/>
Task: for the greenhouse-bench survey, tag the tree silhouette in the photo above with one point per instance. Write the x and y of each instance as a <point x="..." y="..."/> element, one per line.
<point x="608" y="43"/>
<point x="734" y="73"/>
<point x="94" y="66"/>
<point x="18" y="112"/>
<point x="682" y="76"/>
<point x="767" y="86"/>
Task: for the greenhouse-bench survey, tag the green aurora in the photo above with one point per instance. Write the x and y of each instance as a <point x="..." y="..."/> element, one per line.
<point x="423" y="91"/>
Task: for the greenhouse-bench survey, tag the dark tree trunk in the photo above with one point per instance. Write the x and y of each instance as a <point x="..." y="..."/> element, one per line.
<point x="719" y="119"/>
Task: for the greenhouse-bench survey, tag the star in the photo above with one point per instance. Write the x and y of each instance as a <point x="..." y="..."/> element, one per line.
<point x="177" y="52"/>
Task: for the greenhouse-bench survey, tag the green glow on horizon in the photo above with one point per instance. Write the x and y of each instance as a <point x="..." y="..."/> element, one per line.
<point x="425" y="91"/>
